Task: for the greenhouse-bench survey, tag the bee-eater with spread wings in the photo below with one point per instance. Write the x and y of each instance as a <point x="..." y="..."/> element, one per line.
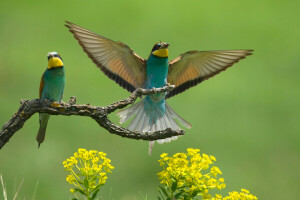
<point x="121" y="64"/>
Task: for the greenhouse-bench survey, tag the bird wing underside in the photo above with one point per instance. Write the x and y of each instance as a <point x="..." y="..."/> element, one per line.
<point x="115" y="59"/>
<point x="193" y="67"/>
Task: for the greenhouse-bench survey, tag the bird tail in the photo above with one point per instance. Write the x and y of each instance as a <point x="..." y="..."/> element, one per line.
<point x="42" y="131"/>
<point x="151" y="116"/>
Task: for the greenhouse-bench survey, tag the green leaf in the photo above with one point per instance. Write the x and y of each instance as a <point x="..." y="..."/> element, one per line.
<point x="95" y="194"/>
<point x="86" y="183"/>
<point x="158" y="198"/>
<point x="161" y="194"/>
<point x="74" y="199"/>
<point x="97" y="187"/>
<point x="195" y="193"/>
<point x="178" y="194"/>
<point x="80" y="191"/>
<point x="185" y="197"/>
<point x="166" y="188"/>
<point x="93" y="178"/>
<point x="174" y="186"/>
<point x="164" y="191"/>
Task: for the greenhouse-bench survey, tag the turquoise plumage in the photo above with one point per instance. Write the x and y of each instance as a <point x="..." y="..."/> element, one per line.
<point x="51" y="88"/>
<point x="153" y="113"/>
<point x="125" y="67"/>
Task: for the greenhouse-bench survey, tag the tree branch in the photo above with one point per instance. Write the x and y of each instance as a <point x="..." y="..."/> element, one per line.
<point x="99" y="114"/>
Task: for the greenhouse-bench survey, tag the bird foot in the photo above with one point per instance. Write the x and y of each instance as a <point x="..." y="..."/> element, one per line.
<point x="55" y="105"/>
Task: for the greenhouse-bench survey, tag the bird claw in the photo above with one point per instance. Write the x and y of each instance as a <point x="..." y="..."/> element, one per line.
<point x="55" y="105"/>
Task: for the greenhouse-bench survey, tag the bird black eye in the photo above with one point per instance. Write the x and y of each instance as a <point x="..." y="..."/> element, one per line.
<point x="156" y="46"/>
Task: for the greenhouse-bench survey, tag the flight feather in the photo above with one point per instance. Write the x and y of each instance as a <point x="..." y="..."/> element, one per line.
<point x="119" y="62"/>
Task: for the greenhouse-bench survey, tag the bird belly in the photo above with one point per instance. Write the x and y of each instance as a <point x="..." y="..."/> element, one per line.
<point x="52" y="92"/>
<point x="53" y="88"/>
<point x="156" y="78"/>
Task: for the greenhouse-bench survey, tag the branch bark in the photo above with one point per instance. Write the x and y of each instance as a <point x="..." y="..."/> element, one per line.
<point x="99" y="114"/>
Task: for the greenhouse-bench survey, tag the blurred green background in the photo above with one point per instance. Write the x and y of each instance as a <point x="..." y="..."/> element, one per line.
<point x="248" y="116"/>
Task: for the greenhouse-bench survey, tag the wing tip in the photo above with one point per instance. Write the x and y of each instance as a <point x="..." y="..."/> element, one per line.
<point x="74" y="29"/>
<point x="69" y="23"/>
<point x="186" y="85"/>
<point x="249" y="52"/>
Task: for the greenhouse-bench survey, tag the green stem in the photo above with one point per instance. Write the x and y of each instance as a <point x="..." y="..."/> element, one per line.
<point x="171" y="196"/>
<point x="87" y="189"/>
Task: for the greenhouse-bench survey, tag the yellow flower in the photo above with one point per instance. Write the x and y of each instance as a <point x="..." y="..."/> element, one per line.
<point x="215" y="171"/>
<point x="192" y="174"/>
<point x="164" y="155"/>
<point x="243" y="195"/>
<point x="245" y="191"/>
<point x="71" y="179"/>
<point x="191" y="151"/>
<point x="88" y="169"/>
<point x="189" y="171"/>
<point x="212" y="158"/>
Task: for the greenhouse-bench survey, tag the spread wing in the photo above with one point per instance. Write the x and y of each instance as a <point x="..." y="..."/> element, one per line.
<point x="42" y="84"/>
<point x="193" y="67"/>
<point x="115" y="59"/>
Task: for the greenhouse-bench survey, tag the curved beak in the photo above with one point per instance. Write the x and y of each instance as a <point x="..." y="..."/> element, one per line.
<point x="164" y="45"/>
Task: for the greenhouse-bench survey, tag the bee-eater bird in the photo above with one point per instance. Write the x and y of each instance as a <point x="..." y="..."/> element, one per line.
<point x="51" y="88"/>
<point x="121" y="64"/>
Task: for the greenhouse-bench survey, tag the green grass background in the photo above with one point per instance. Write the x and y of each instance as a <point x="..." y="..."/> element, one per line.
<point x="248" y="116"/>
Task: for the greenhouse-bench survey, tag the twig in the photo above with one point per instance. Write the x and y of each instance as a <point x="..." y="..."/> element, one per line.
<point x="99" y="114"/>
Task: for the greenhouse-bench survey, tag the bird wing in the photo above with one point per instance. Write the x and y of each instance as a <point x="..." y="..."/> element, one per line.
<point x="193" y="67"/>
<point x="42" y="84"/>
<point x="119" y="62"/>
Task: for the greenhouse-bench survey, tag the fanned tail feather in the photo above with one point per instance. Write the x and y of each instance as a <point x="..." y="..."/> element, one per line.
<point x="154" y="119"/>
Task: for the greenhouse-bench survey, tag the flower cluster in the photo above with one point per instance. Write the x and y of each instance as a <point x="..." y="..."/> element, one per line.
<point x="88" y="171"/>
<point x="243" y="195"/>
<point x="187" y="175"/>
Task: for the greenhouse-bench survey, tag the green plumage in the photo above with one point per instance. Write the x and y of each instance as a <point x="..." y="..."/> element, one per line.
<point x="51" y="88"/>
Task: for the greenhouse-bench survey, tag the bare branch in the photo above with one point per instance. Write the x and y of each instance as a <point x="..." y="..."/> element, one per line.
<point x="99" y="114"/>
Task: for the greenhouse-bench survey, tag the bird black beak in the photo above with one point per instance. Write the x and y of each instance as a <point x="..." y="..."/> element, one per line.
<point x="165" y="45"/>
<point x="50" y="56"/>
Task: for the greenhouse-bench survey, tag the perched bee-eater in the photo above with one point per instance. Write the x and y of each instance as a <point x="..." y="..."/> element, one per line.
<point x="121" y="64"/>
<point x="51" y="88"/>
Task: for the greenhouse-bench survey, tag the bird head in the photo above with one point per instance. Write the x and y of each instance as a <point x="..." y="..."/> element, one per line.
<point x="160" y="49"/>
<point x="54" y="60"/>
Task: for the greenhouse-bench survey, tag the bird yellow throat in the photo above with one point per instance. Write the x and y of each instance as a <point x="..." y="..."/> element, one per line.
<point x="54" y="62"/>
<point x="161" y="53"/>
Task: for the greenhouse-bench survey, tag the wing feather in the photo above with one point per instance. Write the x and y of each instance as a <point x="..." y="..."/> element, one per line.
<point x="42" y="84"/>
<point x="193" y="67"/>
<point x="115" y="59"/>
